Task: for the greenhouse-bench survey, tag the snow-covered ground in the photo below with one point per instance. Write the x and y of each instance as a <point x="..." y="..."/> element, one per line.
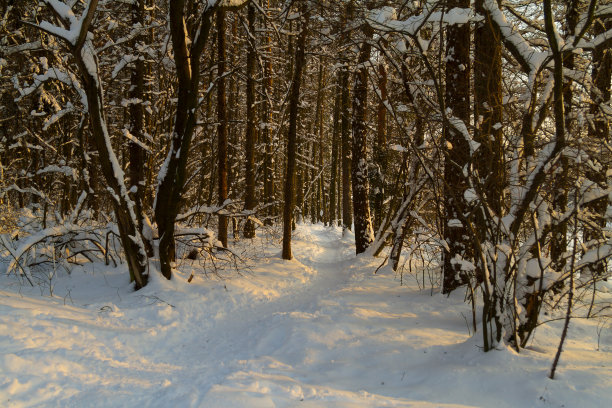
<point x="319" y="331"/>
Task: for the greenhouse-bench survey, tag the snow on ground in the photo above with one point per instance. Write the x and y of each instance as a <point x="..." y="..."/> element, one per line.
<point x="319" y="331"/>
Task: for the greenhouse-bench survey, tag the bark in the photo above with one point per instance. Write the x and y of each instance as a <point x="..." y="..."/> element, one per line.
<point x="380" y="154"/>
<point x="317" y="152"/>
<point x="233" y="165"/>
<point x="347" y="215"/>
<point x="171" y="184"/>
<point x="137" y="154"/>
<point x="250" y="136"/>
<point x="488" y="110"/>
<point x="334" y="154"/>
<point x="457" y="99"/>
<point x="294" y="98"/>
<point x="268" y="163"/>
<point x="126" y="219"/>
<point x="599" y="132"/>
<point x="222" y="126"/>
<point x="364" y="234"/>
<point x="558" y="243"/>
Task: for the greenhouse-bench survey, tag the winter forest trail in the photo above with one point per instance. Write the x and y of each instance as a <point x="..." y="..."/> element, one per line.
<point x="318" y="331"/>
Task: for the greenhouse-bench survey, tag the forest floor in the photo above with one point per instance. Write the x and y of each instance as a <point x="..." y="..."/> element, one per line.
<point x="320" y="331"/>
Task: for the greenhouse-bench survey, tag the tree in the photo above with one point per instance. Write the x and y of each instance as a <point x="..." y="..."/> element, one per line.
<point x="250" y="136"/>
<point x="380" y="154"/>
<point x="489" y="159"/>
<point x="172" y="178"/>
<point x="74" y="34"/>
<point x="137" y="152"/>
<point x="347" y="213"/>
<point x="294" y="99"/>
<point x="333" y="183"/>
<point x="361" y="202"/>
<point x="457" y="156"/>
<point x="222" y="126"/>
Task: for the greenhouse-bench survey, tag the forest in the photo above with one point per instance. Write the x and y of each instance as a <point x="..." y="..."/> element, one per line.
<point x="465" y="142"/>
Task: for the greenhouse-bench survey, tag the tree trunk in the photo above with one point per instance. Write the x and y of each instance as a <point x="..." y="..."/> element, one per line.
<point x="457" y="99"/>
<point x="233" y="165"/>
<point x="364" y="235"/>
<point x="334" y="154"/>
<point x="137" y="154"/>
<point x="317" y="151"/>
<point x="380" y="155"/>
<point x="599" y="133"/>
<point x="294" y="98"/>
<point x="347" y="216"/>
<point x="489" y="161"/>
<point x="268" y="162"/>
<point x="171" y="184"/>
<point x="127" y="223"/>
<point x="222" y="126"/>
<point x="250" y="136"/>
<point x="558" y="243"/>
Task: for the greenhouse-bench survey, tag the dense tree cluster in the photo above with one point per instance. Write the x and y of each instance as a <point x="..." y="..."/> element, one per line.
<point x="470" y="138"/>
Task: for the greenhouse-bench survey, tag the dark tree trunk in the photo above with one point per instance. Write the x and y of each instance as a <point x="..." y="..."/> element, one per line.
<point x="222" y="126"/>
<point x="334" y="154"/>
<point x="599" y="132"/>
<point x="137" y="154"/>
<point x="361" y="201"/>
<point x="558" y="243"/>
<point x="317" y="150"/>
<point x="347" y="216"/>
<point x="489" y="161"/>
<point x="233" y="174"/>
<point x="294" y="99"/>
<point x="380" y="154"/>
<point x="130" y="235"/>
<point x="187" y="62"/>
<point x="321" y="205"/>
<point x="560" y="198"/>
<point x="249" y="195"/>
<point x="457" y="99"/>
<point x="268" y="162"/>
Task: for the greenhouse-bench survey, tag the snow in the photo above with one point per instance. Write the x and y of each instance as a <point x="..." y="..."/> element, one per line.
<point x="226" y="3"/>
<point x="123" y="62"/>
<point x="385" y="19"/>
<point x="57" y="74"/>
<point x="65" y="12"/>
<point x="135" y="140"/>
<point x="319" y="331"/>
<point x="398" y="148"/>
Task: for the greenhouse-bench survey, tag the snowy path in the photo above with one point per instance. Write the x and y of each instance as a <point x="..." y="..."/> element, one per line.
<point x="318" y="331"/>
